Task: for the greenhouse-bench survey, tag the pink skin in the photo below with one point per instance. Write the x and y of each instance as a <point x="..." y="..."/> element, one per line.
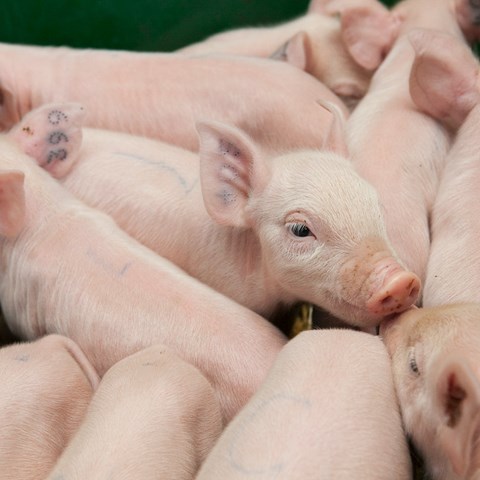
<point x="239" y="212"/>
<point x="46" y="386"/>
<point x="153" y="416"/>
<point x="330" y="42"/>
<point x="333" y="391"/>
<point x="452" y="274"/>
<point x="435" y="357"/>
<point x="162" y="95"/>
<point x="400" y="150"/>
<point x="69" y="269"/>
<point x="454" y="260"/>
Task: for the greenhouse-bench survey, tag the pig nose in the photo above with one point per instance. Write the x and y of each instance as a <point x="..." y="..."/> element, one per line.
<point x="396" y="295"/>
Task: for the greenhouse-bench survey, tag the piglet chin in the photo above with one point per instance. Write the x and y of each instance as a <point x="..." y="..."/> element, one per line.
<point x="391" y="320"/>
<point x="387" y="323"/>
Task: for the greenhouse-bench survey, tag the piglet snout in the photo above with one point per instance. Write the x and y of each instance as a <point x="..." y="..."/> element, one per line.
<point x="399" y="292"/>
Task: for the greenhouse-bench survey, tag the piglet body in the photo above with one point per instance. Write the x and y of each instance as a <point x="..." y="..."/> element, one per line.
<point x="45" y="386"/>
<point x="161" y="95"/>
<point x="153" y="416"/>
<point x="454" y="265"/>
<point x="333" y="391"/>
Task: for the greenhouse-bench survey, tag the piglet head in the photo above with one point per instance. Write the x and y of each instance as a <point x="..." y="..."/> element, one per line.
<point x="319" y="226"/>
<point x="436" y="356"/>
<point x="321" y="52"/>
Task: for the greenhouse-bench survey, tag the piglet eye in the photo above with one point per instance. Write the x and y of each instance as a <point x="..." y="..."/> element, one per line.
<point x="300" y="230"/>
<point x="412" y="362"/>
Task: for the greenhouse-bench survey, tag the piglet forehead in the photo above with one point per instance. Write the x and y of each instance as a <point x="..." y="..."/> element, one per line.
<point x="325" y="184"/>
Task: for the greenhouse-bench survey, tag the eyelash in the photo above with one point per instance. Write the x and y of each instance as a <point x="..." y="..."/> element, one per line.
<point x="298" y="229"/>
<point x="413" y="362"/>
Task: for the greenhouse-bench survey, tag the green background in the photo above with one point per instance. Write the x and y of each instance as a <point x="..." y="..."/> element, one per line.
<point x="148" y="25"/>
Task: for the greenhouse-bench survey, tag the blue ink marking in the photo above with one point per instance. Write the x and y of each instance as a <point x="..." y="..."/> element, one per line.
<point x="24" y="357"/>
<point x="274" y="468"/>
<point x="56" y="116"/>
<point x="108" y="267"/>
<point x="163" y="166"/>
<point x="125" y="268"/>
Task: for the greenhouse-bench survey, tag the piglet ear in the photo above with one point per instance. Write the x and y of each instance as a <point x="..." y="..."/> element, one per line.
<point x="52" y="135"/>
<point x="12" y="203"/>
<point x="457" y="402"/>
<point x="368" y="33"/>
<point x="296" y="51"/>
<point x="334" y="139"/>
<point x="444" y="75"/>
<point x="230" y="171"/>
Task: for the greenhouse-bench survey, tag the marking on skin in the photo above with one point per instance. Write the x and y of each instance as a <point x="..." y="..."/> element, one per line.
<point x="274" y="468"/>
<point x="57" y="137"/>
<point x="28" y="130"/>
<point x="163" y="166"/>
<point x="108" y="267"/>
<point x="59" y="154"/>
<point x="23" y="357"/>
<point x="56" y="116"/>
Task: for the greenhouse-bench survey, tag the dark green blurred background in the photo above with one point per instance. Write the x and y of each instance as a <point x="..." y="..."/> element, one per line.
<point x="149" y="25"/>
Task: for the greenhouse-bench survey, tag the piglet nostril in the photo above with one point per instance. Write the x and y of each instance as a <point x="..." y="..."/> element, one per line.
<point x="387" y="301"/>
<point x="414" y="290"/>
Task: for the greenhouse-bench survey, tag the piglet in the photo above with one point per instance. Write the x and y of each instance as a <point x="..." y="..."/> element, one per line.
<point x="67" y="268"/>
<point x="153" y="416"/>
<point x="327" y="410"/>
<point x="45" y="388"/>
<point x="339" y="45"/>
<point x="453" y="273"/>
<point x="436" y="356"/>
<point x="400" y="150"/>
<point x="162" y="94"/>
<point x="267" y="232"/>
